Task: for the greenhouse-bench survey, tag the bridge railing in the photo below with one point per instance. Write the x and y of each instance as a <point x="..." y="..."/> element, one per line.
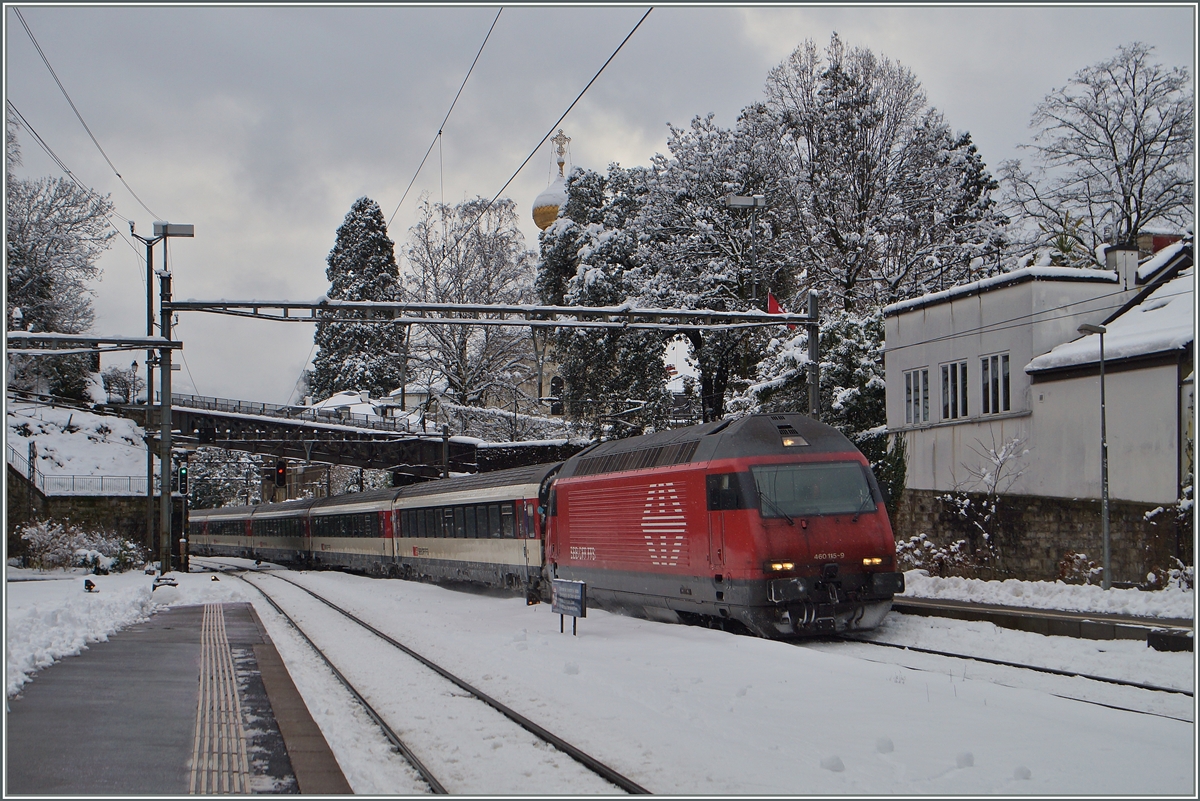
<point x="52" y="484"/>
<point x="340" y="416"/>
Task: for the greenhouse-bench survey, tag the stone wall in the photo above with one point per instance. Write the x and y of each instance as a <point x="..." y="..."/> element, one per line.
<point x="1031" y="534"/>
<point x="125" y="515"/>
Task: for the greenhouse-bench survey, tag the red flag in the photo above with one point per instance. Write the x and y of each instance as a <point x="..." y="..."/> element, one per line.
<point x="773" y="307"/>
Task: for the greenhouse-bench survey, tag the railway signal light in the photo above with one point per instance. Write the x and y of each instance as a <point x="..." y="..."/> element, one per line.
<point x="183" y="478"/>
<point x="281" y="473"/>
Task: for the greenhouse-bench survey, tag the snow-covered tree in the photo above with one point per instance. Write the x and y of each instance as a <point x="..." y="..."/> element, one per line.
<point x="889" y="203"/>
<point x="698" y="253"/>
<point x="1112" y="155"/>
<point x="218" y="477"/>
<point x="614" y="381"/>
<point x="362" y="266"/>
<point x="55" y="231"/>
<point x="122" y="383"/>
<point x="471" y="253"/>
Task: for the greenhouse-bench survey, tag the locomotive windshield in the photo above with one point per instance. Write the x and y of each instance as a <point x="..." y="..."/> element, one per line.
<point x="823" y="488"/>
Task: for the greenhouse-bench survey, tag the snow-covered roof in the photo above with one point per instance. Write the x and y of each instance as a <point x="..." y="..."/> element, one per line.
<point x="1161" y="323"/>
<point x="997" y="281"/>
<point x="351" y="401"/>
<point x="1147" y="269"/>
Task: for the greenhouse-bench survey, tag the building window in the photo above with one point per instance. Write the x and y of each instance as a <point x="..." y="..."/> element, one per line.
<point x="916" y="396"/>
<point x="994" y="370"/>
<point x="954" y="390"/>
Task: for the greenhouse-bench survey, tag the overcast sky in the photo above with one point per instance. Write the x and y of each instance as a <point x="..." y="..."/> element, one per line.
<point x="262" y="125"/>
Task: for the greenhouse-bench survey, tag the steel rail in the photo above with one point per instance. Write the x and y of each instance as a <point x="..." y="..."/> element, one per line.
<point x="1056" y="695"/>
<point x="588" y="761"/>
<point x="1052" y="671"/>
<point x="394" y="738"/>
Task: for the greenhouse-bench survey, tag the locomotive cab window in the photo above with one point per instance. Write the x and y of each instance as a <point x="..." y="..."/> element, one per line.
<point x="729" y="491"/>
<point x="822" y="488"/>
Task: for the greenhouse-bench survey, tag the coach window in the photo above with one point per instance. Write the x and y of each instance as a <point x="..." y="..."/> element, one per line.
<point x="481" y="522"/>
<point x="506" y="520"/>
<point x="460" y="529"/>
<point x="470" y="521"/>
<point x="494" y="521"/>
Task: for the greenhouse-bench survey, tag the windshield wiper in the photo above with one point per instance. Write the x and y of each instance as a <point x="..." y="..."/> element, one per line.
<point x="775" y="506"/>
<point x="862" y="507"/>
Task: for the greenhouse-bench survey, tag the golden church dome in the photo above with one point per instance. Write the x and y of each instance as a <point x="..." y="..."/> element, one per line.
<point x="551" y="200"/>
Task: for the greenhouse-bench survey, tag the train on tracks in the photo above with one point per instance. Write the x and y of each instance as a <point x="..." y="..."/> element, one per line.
<point x="773" y="523"/>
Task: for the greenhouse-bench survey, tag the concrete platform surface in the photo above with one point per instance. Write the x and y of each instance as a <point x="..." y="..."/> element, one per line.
<point x="194" y="700"/>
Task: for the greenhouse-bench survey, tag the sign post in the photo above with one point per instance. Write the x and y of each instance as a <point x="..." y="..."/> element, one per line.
<point x="568" y="598"/>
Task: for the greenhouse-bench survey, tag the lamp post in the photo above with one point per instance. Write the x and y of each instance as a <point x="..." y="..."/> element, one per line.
<point x="149" y="243"/>
<point x="1088" y="328"/>
<point x="754" y="203"/>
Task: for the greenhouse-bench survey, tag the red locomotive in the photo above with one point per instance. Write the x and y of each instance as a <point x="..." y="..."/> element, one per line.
<point x="770" y="522"/>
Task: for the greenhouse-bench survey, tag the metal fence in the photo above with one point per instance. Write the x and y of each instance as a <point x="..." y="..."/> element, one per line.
<point x="76" y="485"/>
<point x="339" y="416"/>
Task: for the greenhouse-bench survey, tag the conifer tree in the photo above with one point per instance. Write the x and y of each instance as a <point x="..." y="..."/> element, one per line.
<point x="614" y="381"/>
<point x="362" y="266"/>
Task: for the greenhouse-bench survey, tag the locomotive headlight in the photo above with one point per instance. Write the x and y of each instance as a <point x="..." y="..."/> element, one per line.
<point x="780" y="566"/>
<point x="872" y="560"/>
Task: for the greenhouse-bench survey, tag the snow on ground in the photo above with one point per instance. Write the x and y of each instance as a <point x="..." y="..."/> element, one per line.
<point x="689" y="710"/>
<point x="1172" y="602"/>
<point x="73" y="442"/>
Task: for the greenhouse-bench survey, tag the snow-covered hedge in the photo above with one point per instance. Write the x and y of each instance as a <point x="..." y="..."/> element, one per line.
<point x="61" y="544"/>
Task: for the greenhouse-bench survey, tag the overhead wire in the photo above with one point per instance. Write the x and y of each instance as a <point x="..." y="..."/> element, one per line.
<point x="63" y="89"/>
<point x="442" y="127"/>
<point x="542" y="141"/>
<point x="63" y="166"/>
<point x="1019" y="320"/>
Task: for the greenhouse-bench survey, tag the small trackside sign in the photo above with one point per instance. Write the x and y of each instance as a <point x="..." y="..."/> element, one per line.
<point x="568" y="598"/>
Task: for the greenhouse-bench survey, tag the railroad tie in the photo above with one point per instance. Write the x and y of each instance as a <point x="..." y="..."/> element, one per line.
<point x="219" y="763"/>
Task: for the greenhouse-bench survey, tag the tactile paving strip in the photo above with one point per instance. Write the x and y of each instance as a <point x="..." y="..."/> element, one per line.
<point x="219" y="763"/>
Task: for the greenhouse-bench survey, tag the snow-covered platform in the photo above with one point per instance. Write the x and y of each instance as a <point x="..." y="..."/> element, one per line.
<point x="194" y="700"/>
<point x="1085" y="625"/>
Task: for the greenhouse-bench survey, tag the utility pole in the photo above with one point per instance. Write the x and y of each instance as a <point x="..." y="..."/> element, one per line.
<point x="814" y="357"/>
<point x="445" y="450"/>
<point x="164" y="230"/>
<point x="164" y="428"/>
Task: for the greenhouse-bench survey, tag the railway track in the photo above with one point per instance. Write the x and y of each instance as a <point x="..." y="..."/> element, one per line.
<point x="1168" y="691"/>
<point x="588" y="762"/>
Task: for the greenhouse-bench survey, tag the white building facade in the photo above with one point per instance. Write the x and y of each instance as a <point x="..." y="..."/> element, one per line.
<point x="995" y="390"/>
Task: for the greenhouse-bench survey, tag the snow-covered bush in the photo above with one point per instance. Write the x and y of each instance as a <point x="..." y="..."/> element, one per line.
<point x="62" y="544"/>
<point x="921" y="553"/>
<point x="1076" y="568"/>
<point x="1177" y="575"/>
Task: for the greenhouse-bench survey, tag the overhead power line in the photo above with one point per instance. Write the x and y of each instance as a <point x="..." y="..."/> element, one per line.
<point x="1022" y="319"/>
<point x="63" y="166"/>
<point x="442" y="127"/>
<point x="542" y="141"/>
<point x="63" y="89"/>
